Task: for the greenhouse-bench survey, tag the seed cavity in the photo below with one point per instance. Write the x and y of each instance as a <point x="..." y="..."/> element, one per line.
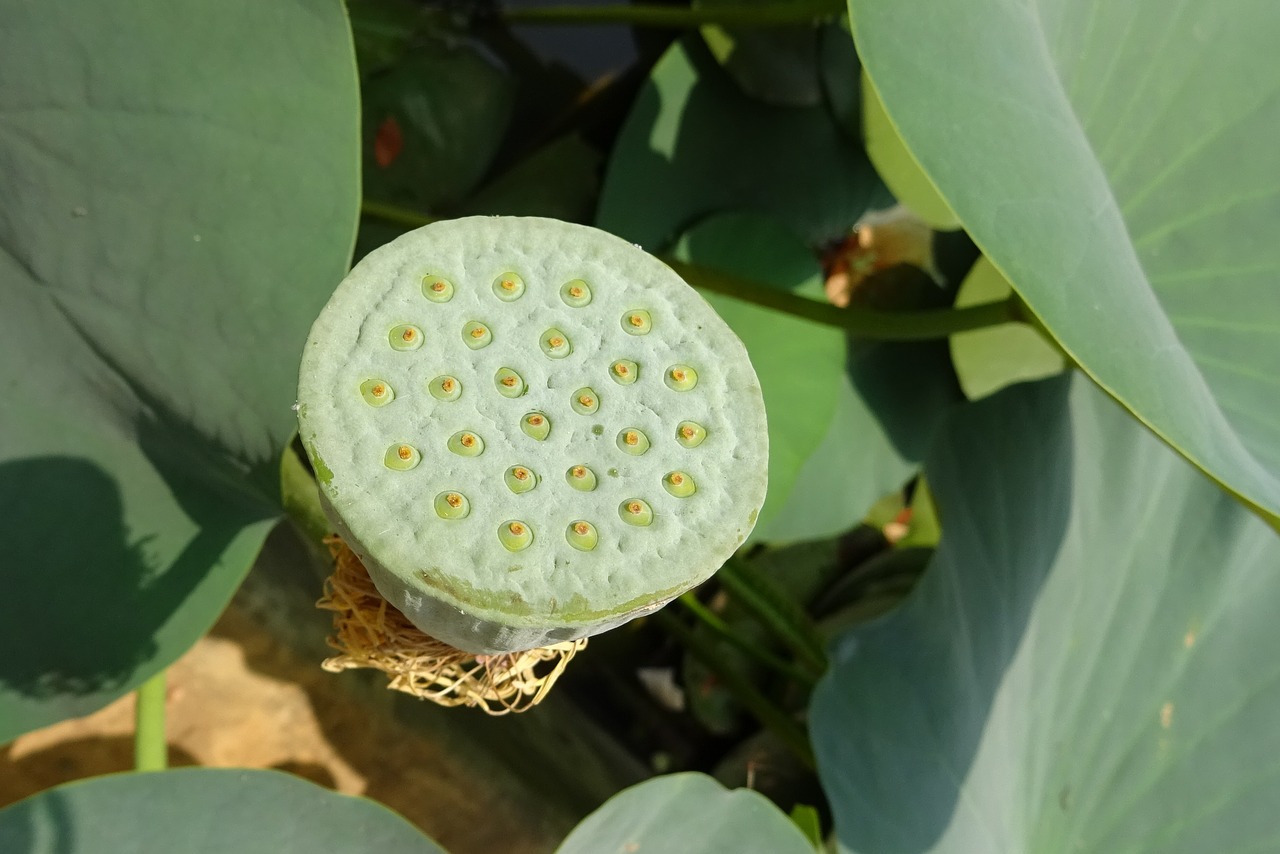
<point x="637" y="322"/>
<point x="476" y="335"/>
<point x="452" y="505"/>
<point x="508" y="287"/>
<point x="406" y="336"/>
<point x="464" y="443"/>
<point x="445" y="388"/>
<point x="585" y="401"/>
<point x="437" y="288"/>
<point x="681" y="377"/>
<point x="515" y="535"/>
<point x="582" y="535"/>
<point x="377" y="392"/>
<point x="581" y="478"/>
<point x="624" y="372"/>
<point x="636" y="511"/>
<point x="536" y="425"/>
<point x="576" y="294"/>
<point x="691" y="434"/>
<point x="508" y="383"/>
<point x="520" y="479"/>
<point x="401" y="457"/>
<point x="633" y="441"/>
<point x="555" y="344"/>
<point x="679" y="484"/>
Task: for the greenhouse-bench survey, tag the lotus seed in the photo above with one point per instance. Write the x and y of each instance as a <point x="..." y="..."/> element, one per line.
<point x="585" y="401"/>
<point x="632" y="441"/>
<point x="681" y="377"/>
<point x="437" y="288"/>
<point x="520" y="479"/>
<point x="508" y="383"/>
<point x="466" y="444"/>
<point x="581" y="478"/>
<point x="555" y="344"/>
<point x="637" y="322"/>
<point x="445" y="388"/>
<point x="690" y="433"/>
<point x="401" y="457"/>
<point x="582" y="535"/>
<point x="508" y="287"/>
<point x="679" y="484"/>
<point x="624" y="371"/>
<point x="576" y="294"/>
<point x="452" y="505"/>
<point x="377" y="392"/>
<point x="636" y="511"/>
<point x="476" y="335"/>
<point x="515" y="535"/>
<point x="405" y="337"/>
<point x="536" y="425"/>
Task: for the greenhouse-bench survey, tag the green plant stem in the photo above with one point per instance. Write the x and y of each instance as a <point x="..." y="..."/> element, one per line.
<point x="789" y="627"/>
<point x="398" y="215"/>
<point x="722" y="630"/>
<point x="785" y="727"/>
<point x="863" y="323"/>
<point x="765" y="15"/>
<point x="150" y="747"/>
<point x="860" y="322"/>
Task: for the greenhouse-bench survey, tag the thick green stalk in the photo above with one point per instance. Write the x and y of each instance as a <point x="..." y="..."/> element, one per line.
<point x="678" y="17"/>
<point x="785" y="727"/>
<point x="863" y="323"/>
<point x="150" y="747"/>
<point x="726" y="633"/>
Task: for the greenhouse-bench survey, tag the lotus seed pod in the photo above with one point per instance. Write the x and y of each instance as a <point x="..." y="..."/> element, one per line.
<point x="457" y="541"/>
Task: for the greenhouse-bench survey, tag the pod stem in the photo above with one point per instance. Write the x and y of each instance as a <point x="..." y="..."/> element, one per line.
<point x="726" y="633"/>
<point x="775" y="612"/>
<point x="150" y="747"/>
<point x="789" y="731"/>
<point x="863" y="323"/>
<point x="676" y="17"/>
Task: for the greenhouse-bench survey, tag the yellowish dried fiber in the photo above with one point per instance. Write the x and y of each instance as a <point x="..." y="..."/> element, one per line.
<point x="370" y="632"/>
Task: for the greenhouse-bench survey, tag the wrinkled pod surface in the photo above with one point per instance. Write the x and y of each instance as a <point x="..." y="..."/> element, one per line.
<point x="529" y="431"/>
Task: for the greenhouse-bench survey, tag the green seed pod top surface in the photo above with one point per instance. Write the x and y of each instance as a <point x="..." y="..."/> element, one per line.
<point x="456" y="575"/>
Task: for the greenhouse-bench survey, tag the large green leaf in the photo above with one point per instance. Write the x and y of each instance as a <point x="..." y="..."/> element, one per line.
<point x="694" y="144"/>
<point x="1088" y="664"/>
<point x="180" y="193"/>
<point x="1116" y="161"/>
<point x="689" y="813"/>
<point x="204" y="811"/>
